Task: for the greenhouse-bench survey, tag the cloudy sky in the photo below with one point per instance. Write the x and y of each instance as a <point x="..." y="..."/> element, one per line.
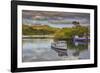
<point x="30" y="16"/>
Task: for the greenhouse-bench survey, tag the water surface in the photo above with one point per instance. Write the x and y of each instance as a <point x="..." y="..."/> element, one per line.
<point x="40" y="50"/>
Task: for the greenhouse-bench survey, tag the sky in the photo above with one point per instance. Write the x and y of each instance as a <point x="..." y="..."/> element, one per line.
<point x="31" y="17"/>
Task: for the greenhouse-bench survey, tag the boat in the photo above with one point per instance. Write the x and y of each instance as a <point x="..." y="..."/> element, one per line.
<point x="80" y="39"/>
<point x="61" y="45"/>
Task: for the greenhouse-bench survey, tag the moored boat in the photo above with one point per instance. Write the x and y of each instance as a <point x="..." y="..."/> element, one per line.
<point x="59" y="45"/>
<point x="80" y="39"/>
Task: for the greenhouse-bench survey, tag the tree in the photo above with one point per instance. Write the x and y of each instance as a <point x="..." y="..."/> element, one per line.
<point x="76" y="23"/>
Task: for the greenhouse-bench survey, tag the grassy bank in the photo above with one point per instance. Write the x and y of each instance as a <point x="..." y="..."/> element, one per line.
<point x="58" y="33"/>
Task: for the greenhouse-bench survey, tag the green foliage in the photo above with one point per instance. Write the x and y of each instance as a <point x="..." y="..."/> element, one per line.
<point x="64" y="33"/>
<point x="69" y="33"/>
<point x="79" y="47"/>
<point x="26" y="30"/>
<point x="80" y="30"/>
<point x="37" y="30"/>
<point x="75" y="23"/>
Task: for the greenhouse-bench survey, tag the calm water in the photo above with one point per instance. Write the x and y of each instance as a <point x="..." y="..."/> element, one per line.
<point x="40" y="50"/>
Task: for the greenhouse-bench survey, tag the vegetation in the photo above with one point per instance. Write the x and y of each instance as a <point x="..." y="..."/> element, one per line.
<point x="59" y="33"/>
<point x="79" y="47"/>
<point x="68" y="33"/>
<point x="75" y="23"/>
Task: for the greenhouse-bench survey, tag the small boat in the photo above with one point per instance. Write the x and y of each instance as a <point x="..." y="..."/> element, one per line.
<point x="61" y="45"/>
<point x="80" y="39"/>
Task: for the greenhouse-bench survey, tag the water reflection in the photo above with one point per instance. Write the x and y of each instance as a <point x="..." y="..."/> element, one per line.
<point x="61" y="52"/>
<point x="40" y="50"/>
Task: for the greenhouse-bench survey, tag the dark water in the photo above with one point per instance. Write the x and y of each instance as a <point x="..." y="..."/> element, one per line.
<point x="40" y="50"/>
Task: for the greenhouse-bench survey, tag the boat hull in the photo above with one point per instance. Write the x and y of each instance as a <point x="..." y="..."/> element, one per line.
<point x="81" y="39"/>
<point x="64" y="49"/>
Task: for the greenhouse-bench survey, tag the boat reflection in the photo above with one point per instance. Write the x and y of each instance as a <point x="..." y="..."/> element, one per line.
<point x="75" y="47"/>
<point x="42" y="50"/>
<point x="61" y="52"/>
